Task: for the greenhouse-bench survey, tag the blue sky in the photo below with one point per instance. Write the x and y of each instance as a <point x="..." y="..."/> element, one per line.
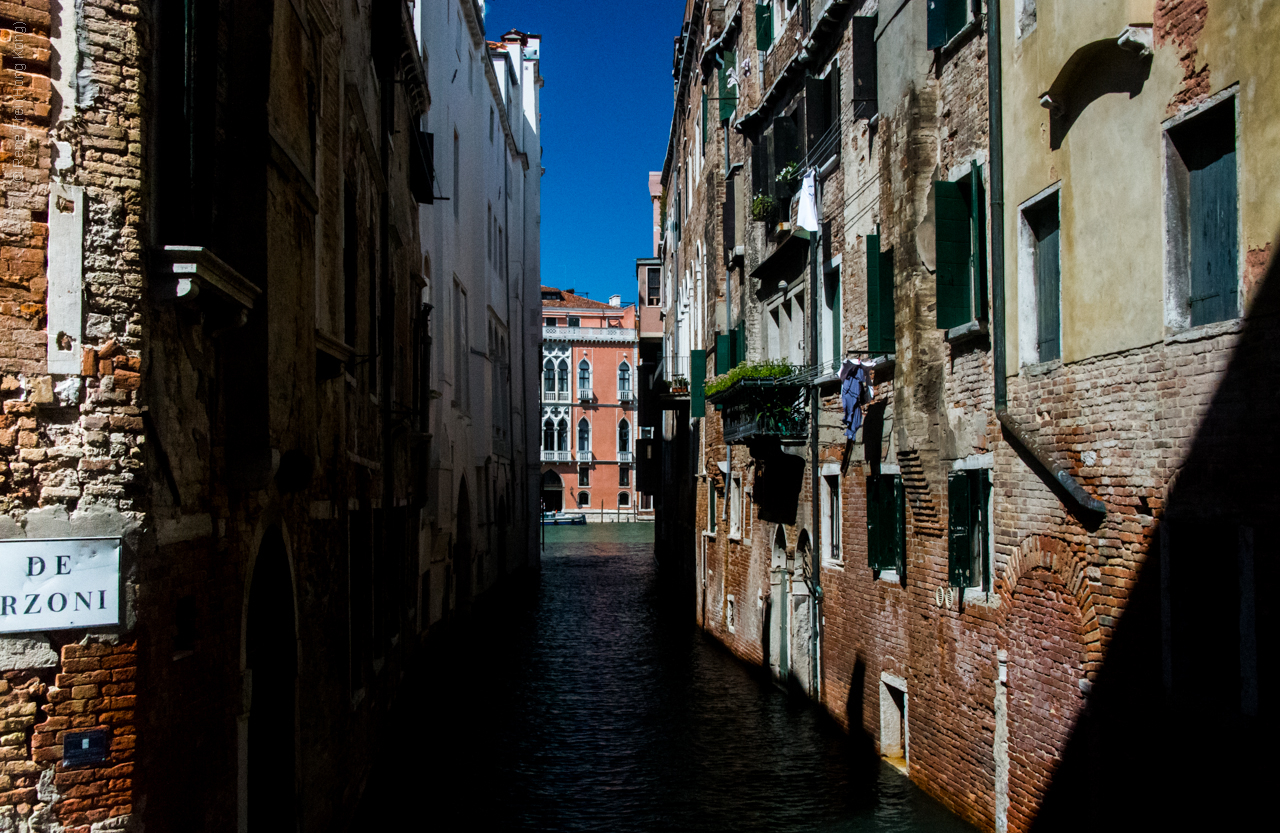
<point x="606" y="113"/>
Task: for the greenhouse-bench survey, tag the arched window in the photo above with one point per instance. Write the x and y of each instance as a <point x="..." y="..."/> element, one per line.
<point x="548" y="436"/>
<point x="584" y="375"/>
<point x="624" y="499"/>
<point x="549" y="377"/>
<point x="584" y="500"/>
<point x="624" y="376"/>
<point x="562" y="435"/>
<point x="624" y="436"/>
<point x="563" y="372"/>
<point x="584" y="435"/>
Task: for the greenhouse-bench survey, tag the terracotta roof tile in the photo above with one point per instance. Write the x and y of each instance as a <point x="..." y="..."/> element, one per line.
<point x="568" y="300"/>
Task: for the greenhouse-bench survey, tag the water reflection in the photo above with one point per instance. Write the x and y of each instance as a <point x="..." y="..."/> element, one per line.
<point x="581" y="706"/>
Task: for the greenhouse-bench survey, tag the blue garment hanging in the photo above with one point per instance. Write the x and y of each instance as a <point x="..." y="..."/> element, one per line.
<point x="853" y="391"/>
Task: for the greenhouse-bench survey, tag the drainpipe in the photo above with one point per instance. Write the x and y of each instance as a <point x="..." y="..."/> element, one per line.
<point x="815" y="399"/>
<point x="995" y="109"/>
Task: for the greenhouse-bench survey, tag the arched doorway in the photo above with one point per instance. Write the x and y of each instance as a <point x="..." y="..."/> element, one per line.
<point x="462" y="549"/>
<point x="800" y="613"/>
<point x="552" y="492"/>
<point x="271" y="654"/>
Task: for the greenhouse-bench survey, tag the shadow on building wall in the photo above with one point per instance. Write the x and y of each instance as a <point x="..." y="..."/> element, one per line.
<point x="1179" y="726"/>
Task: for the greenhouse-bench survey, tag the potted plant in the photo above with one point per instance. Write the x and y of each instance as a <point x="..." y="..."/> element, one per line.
<point x="763" y="207"/>
<point x="680" y="384"/>
<point x="789" y="175"/>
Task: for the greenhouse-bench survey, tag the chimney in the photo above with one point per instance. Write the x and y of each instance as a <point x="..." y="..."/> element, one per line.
<point x="615" y="300"/>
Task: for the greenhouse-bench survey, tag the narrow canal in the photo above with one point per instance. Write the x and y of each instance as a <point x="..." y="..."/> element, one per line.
<point x="584" y="706"/>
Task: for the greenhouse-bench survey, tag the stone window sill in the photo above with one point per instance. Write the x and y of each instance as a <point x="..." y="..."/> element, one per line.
<point x="1205" y="331"/>
<point x="978" y="597"/>
<point x="974" y="329"/>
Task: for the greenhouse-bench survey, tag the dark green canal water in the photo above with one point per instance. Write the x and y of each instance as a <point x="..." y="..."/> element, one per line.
<point x="583" y="704"/>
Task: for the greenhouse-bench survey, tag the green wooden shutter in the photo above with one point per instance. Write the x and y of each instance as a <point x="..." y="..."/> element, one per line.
<point x="880" y="311"/>
<point x="740" y="344"/>
<point x="837" y="335"/>
<point x="711" y="507"/>
<point x="900" y="527"/>
<point x="873" y="522"/>
<point x="698" y="383"/>
<point x="1213" y="238"/>
<point x="722" y="354"/>
<point x="704" y="121"/>
<point x="764" y="26"/>
<point x="786" y="143"/>
<point x="978" y="242"/>
<point x="937" y="15"/>
<point x="954" y="241"/>
<point x="874" y="325"/>
<point x="728" y="96"/>
<point x="959" y="531"/>
<point x="981" y="508"/>
<point x="957" y="16"/>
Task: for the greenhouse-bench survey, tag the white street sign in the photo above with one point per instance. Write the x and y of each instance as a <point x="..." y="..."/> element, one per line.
<point x="55" y="584"/>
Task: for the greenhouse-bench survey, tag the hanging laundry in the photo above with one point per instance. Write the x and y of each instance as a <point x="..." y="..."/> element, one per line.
<point x="855" y="392"/>
<point x="807" y="213"/>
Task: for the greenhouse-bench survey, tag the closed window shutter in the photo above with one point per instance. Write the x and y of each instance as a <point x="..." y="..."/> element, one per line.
<point x="722" y="354"/>
<point x="786" y="143"/>
<point x="981" y="486"/>
<point x="1045" y="227"/>
<point x="697" y="383"/>
<point x="873" y="522"/>
<point x="740" y="342"/>
<point x="863" y="67"/>
<point x="704" y="121"/>
<point x="937" y="15"/>
<point x="959" y="531"/>
<point x="900" y="527"/>
<point x="880" y="311"/>
<point x="954" y="250"/>
<point x="728" y="96"/>
<point x="764" y="26"/>
<point x="1213" y="249"/>
<point x="978" y="242"/>
<point x="874" y="325"/>
<point x="758" y="166"/>
<point x="815" y="93"/>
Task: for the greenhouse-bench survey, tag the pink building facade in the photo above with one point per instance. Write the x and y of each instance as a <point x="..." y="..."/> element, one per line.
<point x="590" y="360"/>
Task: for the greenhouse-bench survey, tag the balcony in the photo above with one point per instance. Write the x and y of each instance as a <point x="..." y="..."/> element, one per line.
<point x="624" y="396"/>
<point x="556" y="456"/>
<point x="583" y="456"/>
<point x="555" y="396"/>
<point x="624" y="456"/>
<point x="671" y="379"/>
<point x="584" y="394"/>
<point x="755" y="409"/>
<point x="617" y="335"/>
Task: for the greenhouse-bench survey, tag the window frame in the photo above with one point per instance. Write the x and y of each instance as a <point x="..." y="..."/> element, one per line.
<point x="829" y="516"/>
<point x="945" y="38"/>
<point x="970" y="186"/>
<point x="584" y="477"/>
<point x="886" y="537"/>
<point x="1028" y="282"/>
<point x="977" y="470"/>
<point x="735" y="505"/>
<point x="1176" y="219"/>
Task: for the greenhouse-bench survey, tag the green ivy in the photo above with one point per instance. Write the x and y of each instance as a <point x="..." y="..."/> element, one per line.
<point x="771" y="369"/>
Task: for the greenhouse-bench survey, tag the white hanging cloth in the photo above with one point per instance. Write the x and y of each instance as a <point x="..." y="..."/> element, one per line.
<point x="807" y="213"/>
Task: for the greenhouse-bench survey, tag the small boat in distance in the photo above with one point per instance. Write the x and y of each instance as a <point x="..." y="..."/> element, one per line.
<point x="560" y="518"/>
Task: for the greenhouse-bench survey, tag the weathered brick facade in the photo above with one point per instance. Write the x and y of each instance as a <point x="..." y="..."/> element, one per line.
<point x="1123" y="464"/>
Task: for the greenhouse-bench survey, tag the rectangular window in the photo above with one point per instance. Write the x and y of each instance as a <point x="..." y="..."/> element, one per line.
<point x="624" y="475"/>
<point x="711" y="507"/>
<point x="764" y="25"/>
<point x="881" y="320"/>
<point x="968" y="538"/>
<point x="1043" y="223"/>
<point x="866" y="100"/>
<point x="735" y="506"/>
<point x="947" y="18"/>
<point x="548" y="322"/>
<point x="655" y="286"/>
<point x="886" y="524"/>
<point x="829" y="342"/>
<point x="960" y="229"/>
<point x="574" y="321"/>
<point x="584" y="476"/>
<point x="830" y="529"/>
<point x="1202" y="210"/>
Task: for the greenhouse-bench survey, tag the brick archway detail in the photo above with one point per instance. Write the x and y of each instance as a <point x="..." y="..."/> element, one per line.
<point x="1044" y="552"/>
